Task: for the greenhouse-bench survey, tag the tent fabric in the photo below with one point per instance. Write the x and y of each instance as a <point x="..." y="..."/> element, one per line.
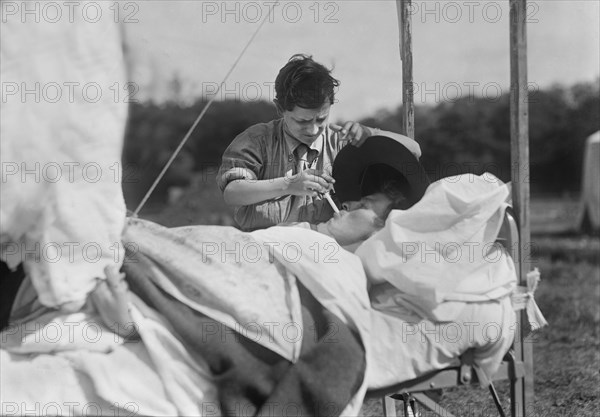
<point x="62" y="210"/>
<point x="590" y="186"/>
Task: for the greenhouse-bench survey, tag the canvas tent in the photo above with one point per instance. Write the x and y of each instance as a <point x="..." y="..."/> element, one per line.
<point x="62" y="133"/>
<point x="589" y="213"/>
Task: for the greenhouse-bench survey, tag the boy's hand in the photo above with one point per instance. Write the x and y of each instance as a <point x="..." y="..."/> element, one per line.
<point x="352" y="132"/>
<point x="309" y="182"/>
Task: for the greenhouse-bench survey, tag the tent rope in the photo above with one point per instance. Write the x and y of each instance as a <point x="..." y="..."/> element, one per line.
<point x="202" y="113"/>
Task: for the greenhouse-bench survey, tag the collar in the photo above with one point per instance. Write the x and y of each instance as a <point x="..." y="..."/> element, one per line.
<point x="293" y="143"/>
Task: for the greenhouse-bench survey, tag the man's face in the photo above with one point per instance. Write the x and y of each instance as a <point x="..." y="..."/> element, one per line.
<point x="306" y="124"/>
<point x="359" y="219"/>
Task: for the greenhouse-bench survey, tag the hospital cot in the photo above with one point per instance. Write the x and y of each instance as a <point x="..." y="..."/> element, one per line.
<point x="516" y="366"/>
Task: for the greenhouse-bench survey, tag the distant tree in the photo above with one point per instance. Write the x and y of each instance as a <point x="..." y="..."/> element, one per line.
<point x="154" y="132"/>
<point x="469" y="135"/>
<point x="176" y="89"/>
<point x="473" y="135"/>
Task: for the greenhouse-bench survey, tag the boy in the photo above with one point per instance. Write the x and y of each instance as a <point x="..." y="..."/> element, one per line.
<point x="278" y="171"/>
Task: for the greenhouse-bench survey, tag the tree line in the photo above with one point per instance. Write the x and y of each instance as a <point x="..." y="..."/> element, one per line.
<point x="471" y="134"/>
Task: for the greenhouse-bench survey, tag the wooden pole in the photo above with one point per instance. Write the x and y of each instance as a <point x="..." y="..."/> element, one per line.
<point x="519" y="133"/>
<point x="404" y="8"/>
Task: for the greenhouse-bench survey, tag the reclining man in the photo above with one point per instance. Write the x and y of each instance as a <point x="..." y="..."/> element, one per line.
<point x="317" y="376"/>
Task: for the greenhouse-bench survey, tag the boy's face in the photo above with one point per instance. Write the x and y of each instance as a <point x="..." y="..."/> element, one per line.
<point x="306" y="125"/>
<point x="359" y="219"/>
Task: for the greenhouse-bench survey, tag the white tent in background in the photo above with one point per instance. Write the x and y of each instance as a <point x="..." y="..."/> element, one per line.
<point x="589" y="214"/>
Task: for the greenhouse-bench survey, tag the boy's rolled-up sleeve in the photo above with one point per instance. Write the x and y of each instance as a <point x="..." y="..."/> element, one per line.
<point x="243" y="159"/>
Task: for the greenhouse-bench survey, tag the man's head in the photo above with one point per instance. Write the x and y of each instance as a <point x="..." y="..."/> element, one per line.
<point x="305" y="91"/>
<point x="372" y="180"/>
<point x="359" y="220"/>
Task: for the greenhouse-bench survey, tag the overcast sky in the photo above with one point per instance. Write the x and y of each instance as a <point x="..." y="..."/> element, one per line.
<point x="458" y="47"/>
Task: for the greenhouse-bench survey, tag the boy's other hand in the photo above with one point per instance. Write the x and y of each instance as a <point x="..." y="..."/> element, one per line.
<point x="352" y="132"/>
<point x="310" y="182"/>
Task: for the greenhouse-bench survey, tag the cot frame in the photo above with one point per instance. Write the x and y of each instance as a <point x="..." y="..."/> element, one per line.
<point x="517" y="366"/>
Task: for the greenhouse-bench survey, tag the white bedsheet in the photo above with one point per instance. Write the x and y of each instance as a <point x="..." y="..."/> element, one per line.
<point x="441" y="253"/>
<point x="444" y="284"/>
<point x="59" y="363"/>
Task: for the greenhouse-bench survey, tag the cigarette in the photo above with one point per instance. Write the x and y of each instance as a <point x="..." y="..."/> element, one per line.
<point x="331" y="203"/>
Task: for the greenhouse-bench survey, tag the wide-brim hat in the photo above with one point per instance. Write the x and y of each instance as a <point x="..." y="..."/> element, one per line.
<point x="359" y="170"/>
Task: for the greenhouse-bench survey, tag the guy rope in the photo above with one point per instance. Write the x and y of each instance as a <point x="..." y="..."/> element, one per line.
<point x="202" y="113"/>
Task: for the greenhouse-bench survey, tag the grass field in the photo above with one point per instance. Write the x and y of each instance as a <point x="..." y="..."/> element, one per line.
<point x="566" y="353"/>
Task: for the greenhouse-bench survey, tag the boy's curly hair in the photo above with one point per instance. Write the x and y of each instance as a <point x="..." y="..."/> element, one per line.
<point x="305" y="83"/>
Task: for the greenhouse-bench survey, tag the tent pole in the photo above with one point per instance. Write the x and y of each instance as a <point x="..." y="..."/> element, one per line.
<point x="404" y="8"/>
<point x="519" y="133"/>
